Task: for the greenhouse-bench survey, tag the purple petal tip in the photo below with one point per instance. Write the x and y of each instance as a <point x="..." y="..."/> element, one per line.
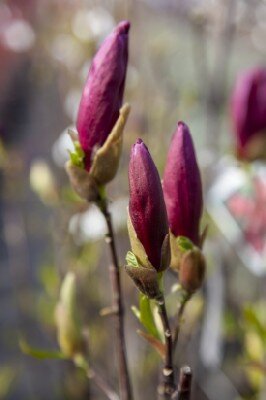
<point x="123" y="27"/>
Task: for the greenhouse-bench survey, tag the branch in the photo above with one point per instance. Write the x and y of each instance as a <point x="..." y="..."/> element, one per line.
<point x="100" y="382"/>
<point x="124" y="380"/>
<point x="184" y="385"/>
<point x="179" y="317"/>
<point x="168" y="386"/>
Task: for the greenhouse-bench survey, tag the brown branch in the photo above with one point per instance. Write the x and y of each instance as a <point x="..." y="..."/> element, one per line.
<point x="179" y="317"/>
<point x="184" y="385"/>
<point x="124" y="380"/>
<point x="168" y="386"/>
<point x="102" y="385"/>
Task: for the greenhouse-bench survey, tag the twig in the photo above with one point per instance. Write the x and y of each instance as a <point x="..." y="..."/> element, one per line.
<point x="100" y="382"/>
<point x="179" y="317"/>
<point x="168" y="386"/>
<point x="124" y="380"/>
<point x="184" y="385"/>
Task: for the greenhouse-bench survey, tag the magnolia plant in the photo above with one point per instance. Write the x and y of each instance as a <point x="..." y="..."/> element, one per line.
<point x="163" y="225"/>
<point x="248" y="109"/>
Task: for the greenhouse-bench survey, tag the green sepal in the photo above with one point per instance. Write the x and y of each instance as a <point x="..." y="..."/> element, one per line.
<point x="40" y="353"/>
<point x="131" y="259"/>
<point x="77" y="156"/>
<point x="184" y="244"/>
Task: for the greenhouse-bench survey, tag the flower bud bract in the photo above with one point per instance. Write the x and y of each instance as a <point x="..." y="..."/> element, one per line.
<point x="182" y="186"/>
<point x="192" y="270"/>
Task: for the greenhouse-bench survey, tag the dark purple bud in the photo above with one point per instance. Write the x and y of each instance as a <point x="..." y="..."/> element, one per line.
<point x="146" y="203"/>
<point x="103" y="92"/>
<point x="249" y="110"/>
<point x="182" y="186"/>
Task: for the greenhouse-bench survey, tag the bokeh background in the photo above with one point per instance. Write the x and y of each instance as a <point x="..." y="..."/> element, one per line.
<point x="184" y="58"/>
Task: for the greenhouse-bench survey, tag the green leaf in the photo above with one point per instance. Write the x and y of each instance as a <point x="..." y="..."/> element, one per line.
<point x="39" y="353"/>
<point x="184" y="244"/>
<point x="136" y="312"/>
<point x="131" y="259"/>
<point x="146" y="316"/>
<point x="155" y="343"/>
<point x="254" y="322"/>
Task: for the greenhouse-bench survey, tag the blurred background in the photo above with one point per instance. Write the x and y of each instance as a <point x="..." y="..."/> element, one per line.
<point x="184" y="58"/>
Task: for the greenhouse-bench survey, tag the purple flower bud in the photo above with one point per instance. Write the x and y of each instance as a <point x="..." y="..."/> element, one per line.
<point x="182" y="186"/>
<point x="103" y="92"/>
<point x="249" y="108"/>
<point x="146" y="203"/>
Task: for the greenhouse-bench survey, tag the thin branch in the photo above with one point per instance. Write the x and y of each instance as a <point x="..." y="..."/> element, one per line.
<point x="179" y="317"/>
<point x="168" y="385"/>
<point x="124" y="380"/>
<point x="102" y="385"/>
<point x="184" y="385"/>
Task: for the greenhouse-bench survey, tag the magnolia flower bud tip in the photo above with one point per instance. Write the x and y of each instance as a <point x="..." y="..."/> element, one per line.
<point x="181" y="124"/>
<point x="123" y="27"/>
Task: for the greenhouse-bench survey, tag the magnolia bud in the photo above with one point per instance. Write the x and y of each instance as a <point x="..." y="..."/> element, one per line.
<point x="104" y="165"/>
<point x="182" y="186"/>
<point x="249" y="114"/>
<point x="147" y="210"/>
<point x="192" y="270"/>
<point x="68" y="326"/>
<point x="103" y="92"/>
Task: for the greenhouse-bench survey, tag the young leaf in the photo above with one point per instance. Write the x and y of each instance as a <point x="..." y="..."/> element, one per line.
<point x="39" y="353"/>
<point x="254" y="322"/>
<point x="155" y="343"/>
<point x="136" y="312"/>
<point x="146" y="316"/>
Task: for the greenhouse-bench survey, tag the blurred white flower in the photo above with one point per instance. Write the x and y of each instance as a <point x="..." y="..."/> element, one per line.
<point x="71" y="103"/>
<point x="258" y="37"/>
<point x="95" y="23"/>
<point x="67" y="50"/>
<point x="132" y="77"/>
<point x="18" y="35"/>
<point x="61" y="148"/>
<point x="42" y="181"/>
<point x="91" y="225"/>
<point x="84" y="70"/>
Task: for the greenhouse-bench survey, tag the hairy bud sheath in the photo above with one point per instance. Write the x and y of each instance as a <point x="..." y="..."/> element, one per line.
<point x="103" y="92"/>
<point x="192" y="270"/>
<point x="248" y="109"/>
<point x="182" y="186"/>
<point x="146" y="203"/>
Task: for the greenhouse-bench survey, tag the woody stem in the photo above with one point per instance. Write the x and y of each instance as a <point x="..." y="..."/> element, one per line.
<point x="124" y="379"/>
<point x="168" y="384"/>
<point x="179" y="317"/>
<point x="184" y="385"/>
